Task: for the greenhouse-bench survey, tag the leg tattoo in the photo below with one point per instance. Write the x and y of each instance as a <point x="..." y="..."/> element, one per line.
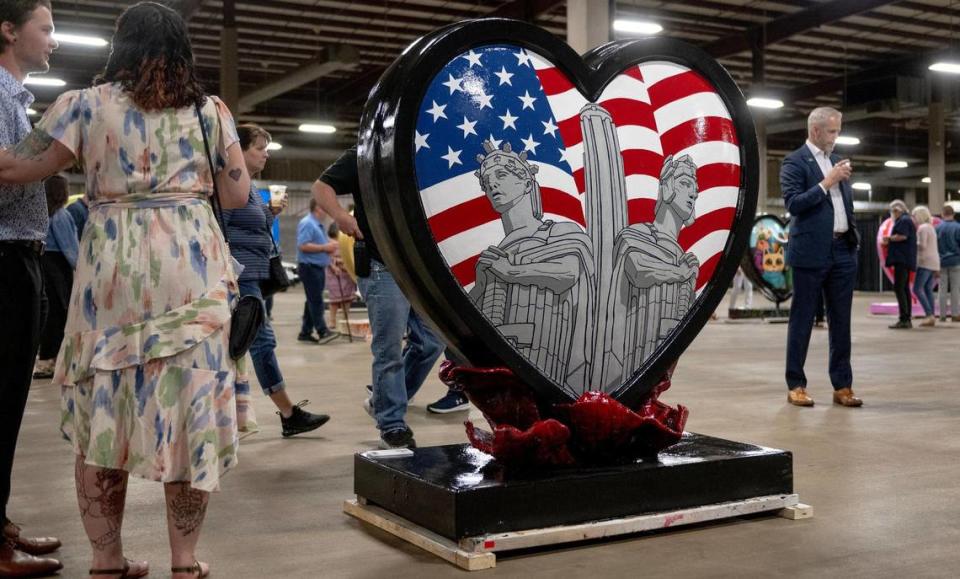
<point x="101" y="494"/>
<point x="188" y="508"/>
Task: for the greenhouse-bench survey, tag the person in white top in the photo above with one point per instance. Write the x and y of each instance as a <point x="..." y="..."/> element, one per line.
<point x="928" y="263"/>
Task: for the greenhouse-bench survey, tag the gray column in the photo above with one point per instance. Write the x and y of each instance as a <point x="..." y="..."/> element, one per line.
<point x="936" y="119"/>
<point x="229" y="75"/>
<point x="761" y="124"/>
<point x="588" y="23"/>
<point x="910" y="198"/>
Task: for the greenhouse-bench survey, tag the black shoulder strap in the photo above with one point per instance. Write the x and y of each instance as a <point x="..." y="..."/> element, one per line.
<point x="215" y="199"/>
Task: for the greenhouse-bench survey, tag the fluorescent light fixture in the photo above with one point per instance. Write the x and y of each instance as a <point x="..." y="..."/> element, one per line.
<point x="44" y="81"/>
<point x="862" y="186"/>
<point x="896" y="164"/>
<point x="274" y="146"/>
<point x="925" y="180"/>
<point x="31" y="112"/>
<point x="317" y="128"/>
<point x="765" y="103"/>
<point x="946" y="66"/>
<point x="79" y="39"/>
<point x="845" y="140"/>
<point x="637" y="26"/>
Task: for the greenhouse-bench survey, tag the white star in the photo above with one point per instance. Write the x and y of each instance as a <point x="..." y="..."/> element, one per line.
<point x="527" y="100"/>
<point x="421" y="140"/>
<point x="473" y="58"/>
<point x="484" y="100"/>
<point x="564" y="157"/>
<point x="452" y="157"/>
<point x="549" y="128"/>
<point x="495" y="142"/>
<point x="467" y="127"/>
<point x="530" y="145"/>
<point x="437" y="111"/>
<point x="504" y="76"/>
<point x="453" y="83"/>
<point x="523" y="58"/>
<point x="509" y="120"/>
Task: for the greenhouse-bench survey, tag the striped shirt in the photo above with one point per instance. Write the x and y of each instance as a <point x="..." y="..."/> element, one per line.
<point x="248" y="231"/>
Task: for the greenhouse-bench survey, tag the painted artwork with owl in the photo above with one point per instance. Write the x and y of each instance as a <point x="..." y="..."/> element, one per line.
<point x="768" y="241"/>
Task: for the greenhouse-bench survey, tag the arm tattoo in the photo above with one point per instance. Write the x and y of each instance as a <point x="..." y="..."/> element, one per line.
<point x="187" y="508"/>
<point x="235" y="174"/>
<point x="33" y="145"/>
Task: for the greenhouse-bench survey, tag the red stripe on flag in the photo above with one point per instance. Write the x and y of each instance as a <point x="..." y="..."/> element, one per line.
<point x="698" y="130"/>
<point x="580" y="180"/>
<point x="718" y="175"/>
<point x="707" y="269"/>
<point x="640" y="210"/>
<point x="570" y="131"/>
<point x="642" y="162"/>
<point x="705" y="225"/>
<point x="630" y="112"/>
<point x="462" y="217"/>
<point x="554" y="81"/>
<point x="634" y="72"/>
<point x="559" y="203"/>
<point x="466" y="270"/>
<point x="677" y="87"/>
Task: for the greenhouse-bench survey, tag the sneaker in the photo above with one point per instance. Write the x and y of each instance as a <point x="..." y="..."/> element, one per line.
<point x="451" y="402"/>
<point x="368" y="406"/>
<point x="308" y="338"/>
<point x="399" y="438"/>
<point x="43" y="369"/>
<point x="328" y="337"/>
<point x="301" y="421"/>
<point x="902" y="325"/>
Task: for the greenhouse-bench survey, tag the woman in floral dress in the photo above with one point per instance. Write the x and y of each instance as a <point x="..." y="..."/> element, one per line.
<point x="147" y="382"/>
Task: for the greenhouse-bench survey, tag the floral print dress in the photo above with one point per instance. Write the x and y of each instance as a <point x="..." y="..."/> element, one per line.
<point x="147" y="382"/>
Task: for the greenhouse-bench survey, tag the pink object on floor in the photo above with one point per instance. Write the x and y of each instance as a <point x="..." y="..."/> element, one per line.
<point x="890" y="309"/>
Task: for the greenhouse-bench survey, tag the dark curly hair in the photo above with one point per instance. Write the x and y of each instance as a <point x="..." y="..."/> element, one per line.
<point x="152" y="59"/>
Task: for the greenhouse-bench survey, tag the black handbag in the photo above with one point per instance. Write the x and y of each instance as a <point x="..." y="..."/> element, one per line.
<point x="248" y="314"/>
<point x="277" y="280"/>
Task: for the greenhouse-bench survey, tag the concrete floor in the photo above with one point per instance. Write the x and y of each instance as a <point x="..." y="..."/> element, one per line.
<point x="883" y="479"/>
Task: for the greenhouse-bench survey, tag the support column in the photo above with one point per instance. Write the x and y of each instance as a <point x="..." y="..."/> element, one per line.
<point x="759" y="121"/>
<point x="936" y="116"/>
<point x="588" y="23"/>
<point x="229" y="74"/>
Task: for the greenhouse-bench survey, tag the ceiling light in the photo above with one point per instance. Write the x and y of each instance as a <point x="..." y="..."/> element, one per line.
<point x="274" y="146"/>
<point x="765" y="103"/>
<point x="945" y="66"/>
<point x="896" y="164"/>
<point x="79" y="39"/>
<point x="44" y="81"/>
<point x="862" y="186"/>
<point x="925" y="180"/>
<point x="844" y="140"/>
<point x="31" y="112"/>
<point x="317" y="128"/>
<point x="637" y="26"/>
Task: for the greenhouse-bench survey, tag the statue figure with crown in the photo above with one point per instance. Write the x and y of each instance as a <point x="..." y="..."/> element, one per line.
<point x="537" y="285"/>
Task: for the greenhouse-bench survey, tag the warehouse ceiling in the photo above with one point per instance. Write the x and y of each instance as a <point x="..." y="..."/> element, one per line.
<point x="312" y="60"/>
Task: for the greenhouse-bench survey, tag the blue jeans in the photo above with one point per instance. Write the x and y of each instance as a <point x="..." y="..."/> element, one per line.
<point x="923" y="288"/>
<point x="263" y="348"/>
<point x="314" y="278"/>
<point x="834" y="283"/>
<point x="397" y="374"/>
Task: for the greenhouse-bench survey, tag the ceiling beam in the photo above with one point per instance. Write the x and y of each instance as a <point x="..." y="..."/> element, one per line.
<point x="336" y="57"/>
<point x="790" y="25"/>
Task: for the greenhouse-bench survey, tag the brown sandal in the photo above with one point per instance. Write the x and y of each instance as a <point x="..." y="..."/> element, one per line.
<point x="196" y="569"/>
<point x="123" y="573"/>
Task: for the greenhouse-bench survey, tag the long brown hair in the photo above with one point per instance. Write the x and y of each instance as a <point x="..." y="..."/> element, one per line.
<point x="152" y="58"/>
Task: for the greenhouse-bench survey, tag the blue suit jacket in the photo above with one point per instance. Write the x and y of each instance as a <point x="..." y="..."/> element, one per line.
<point x="811" y="210"/>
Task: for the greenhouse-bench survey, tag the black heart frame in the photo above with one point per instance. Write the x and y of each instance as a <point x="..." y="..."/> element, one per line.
<point x="774" y="294"/>
<point x="391" y="199"/>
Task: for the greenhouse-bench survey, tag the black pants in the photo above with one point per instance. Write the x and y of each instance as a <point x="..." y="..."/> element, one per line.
<point x="57" y="283"/>
<point x="21" y="312"/>
<point x="901" y="286"/>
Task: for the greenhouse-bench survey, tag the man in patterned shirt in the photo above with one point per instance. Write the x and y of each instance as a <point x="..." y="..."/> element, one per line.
<point x="26" y="41"/>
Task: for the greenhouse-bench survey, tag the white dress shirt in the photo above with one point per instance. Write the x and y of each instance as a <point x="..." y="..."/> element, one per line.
<point x="840" y="224"/>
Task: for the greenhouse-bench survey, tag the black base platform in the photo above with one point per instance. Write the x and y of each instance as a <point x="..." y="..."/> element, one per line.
<point x="758" y="314"/>
<point x="457" y="491"/>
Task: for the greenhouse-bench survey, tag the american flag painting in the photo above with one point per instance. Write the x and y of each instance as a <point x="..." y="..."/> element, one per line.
<point x="506" y="94"/>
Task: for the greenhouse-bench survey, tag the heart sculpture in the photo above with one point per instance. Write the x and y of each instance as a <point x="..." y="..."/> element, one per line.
<point x="576" y="220"/>
<point x="764" y="262"/>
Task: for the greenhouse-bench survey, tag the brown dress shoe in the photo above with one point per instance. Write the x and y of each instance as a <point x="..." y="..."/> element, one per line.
<point x="30" y="545"/>
<point x="845" y="397"/>
<point x="798" y="397"/>
<point x="14" y="563"/>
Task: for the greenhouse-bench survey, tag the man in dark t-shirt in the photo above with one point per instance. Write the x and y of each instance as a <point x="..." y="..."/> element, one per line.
<point x="397" y="373"/>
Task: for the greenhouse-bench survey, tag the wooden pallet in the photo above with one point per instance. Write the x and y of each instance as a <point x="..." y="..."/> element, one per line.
<point x="477" y="553"/>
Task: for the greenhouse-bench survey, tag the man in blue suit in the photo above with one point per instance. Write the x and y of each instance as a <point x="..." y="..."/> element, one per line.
<point x="822" y="253"/>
